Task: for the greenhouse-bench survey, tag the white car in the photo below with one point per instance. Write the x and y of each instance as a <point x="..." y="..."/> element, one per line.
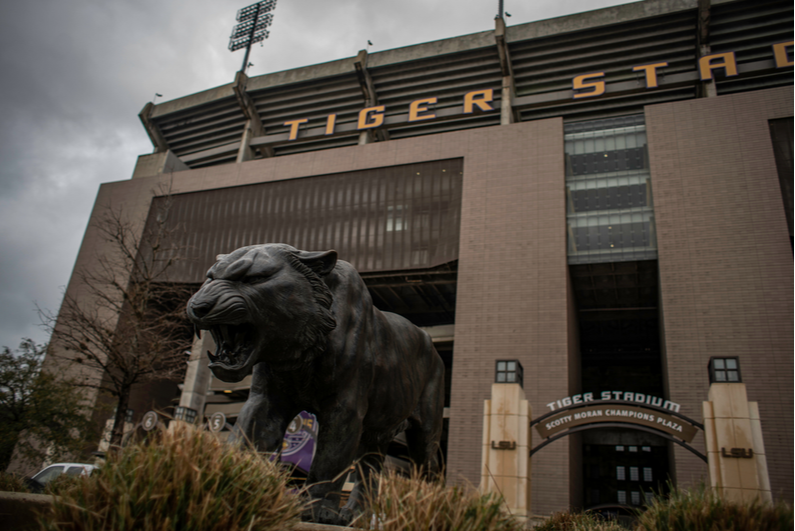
<point x="53" y="471"/>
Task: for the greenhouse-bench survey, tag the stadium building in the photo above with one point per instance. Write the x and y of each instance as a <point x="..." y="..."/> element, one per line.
<point x="605" y="197"/>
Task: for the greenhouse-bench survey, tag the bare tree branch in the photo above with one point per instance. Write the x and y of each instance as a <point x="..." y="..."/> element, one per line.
<point x="129" y="324"/>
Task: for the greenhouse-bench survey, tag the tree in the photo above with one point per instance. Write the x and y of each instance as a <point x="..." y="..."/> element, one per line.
<point x="128" y="324"/>
<point x="49" y="410"/>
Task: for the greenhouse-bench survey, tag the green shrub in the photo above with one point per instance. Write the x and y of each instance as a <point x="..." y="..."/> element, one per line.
<point x="178" y="479"/>
<point x="414" y="504"/>
<point x="701" y="510"/>
<point x="12" y="483"/>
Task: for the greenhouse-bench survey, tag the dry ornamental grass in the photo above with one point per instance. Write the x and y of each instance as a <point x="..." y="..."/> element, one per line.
<point x="701" y="510"/>
<point x="413" y="504"/>
<point x="182" y="479"/>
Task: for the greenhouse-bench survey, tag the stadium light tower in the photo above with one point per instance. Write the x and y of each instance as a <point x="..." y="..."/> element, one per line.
<point x="253" y="22"/>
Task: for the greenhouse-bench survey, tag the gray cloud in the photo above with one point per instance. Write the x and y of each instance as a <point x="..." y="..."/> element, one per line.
<point x="75" y="75"/>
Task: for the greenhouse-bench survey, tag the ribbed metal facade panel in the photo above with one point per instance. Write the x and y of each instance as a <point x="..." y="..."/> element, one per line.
<point x="314" y="101"/>
<point x="749" y="33"/>
<point x="397" y="218"/>
<point x="547" y="65"/>
<point x="202" y="128"/>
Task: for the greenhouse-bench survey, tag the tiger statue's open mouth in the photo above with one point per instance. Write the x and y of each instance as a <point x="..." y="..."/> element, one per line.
<point x="234" y="350"/>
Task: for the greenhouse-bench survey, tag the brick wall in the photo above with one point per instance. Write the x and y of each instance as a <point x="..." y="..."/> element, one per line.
<point x="512" y="291"/>
<point x="726" y="269"/>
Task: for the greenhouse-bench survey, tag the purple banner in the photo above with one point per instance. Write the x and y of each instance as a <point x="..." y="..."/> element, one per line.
<point x="298" y="447"/>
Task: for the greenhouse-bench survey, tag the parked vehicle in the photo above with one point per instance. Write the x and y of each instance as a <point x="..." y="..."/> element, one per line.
<point x="40" y="480"/>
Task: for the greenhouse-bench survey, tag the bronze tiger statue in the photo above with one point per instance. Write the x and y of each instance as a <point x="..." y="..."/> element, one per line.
<point x="304" y="324"/>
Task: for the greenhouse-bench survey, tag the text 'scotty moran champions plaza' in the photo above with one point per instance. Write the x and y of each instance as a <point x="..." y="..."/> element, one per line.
<point x="595" y="206"/>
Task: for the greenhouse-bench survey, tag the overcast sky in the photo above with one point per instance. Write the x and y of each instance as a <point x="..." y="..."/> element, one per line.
<point x="74" y="74"/>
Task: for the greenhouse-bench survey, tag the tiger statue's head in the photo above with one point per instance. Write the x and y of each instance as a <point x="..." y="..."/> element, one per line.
<point x="264" y="303"/>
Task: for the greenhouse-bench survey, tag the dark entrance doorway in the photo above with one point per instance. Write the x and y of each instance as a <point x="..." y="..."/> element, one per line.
<point x="625" y="467"/>
<point x="619" y="335"/>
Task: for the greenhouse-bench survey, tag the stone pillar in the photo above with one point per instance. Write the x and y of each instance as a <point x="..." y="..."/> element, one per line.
<point x="197" y="377"/>
<point x="506" y="447"/>
<point x="735" y="449"/>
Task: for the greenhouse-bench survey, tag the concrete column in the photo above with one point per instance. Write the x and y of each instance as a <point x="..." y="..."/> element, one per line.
<point x="506" y="447"/>
<point x="197" y="377"/>
<point x="506" y="109"/>
<point x="245" y="153"/>
<point x="735" y="450"/>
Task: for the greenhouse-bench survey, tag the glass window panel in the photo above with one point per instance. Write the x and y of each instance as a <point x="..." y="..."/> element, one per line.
<point x="622" y="496"/>
<point x="620" y="473"/>
<point x="731" y="363"/>
<point x="511" y="377"/>
<point x="718" y="364"/>
<point x="511" y="365"/>
<point x="649" y="497"/>
<point x="633" y="474"/>
<point x="633" y="448"/>
<point x="635" y="498"/>
<point x="500" y="377"/>
<point x="500" y="365"/>
<point x="720" y="376"/>
<point x="734" y="376"/>
<point x="647" y="474"/>
<point x="48" y="474"/>
<point x="619" y="448"/>
<point x="646" y="448"/>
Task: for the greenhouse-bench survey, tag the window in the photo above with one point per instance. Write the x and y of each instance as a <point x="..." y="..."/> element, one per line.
<point x="622" y="496"/>
<point x="394" y="218"/>
<point x="724" y="370"/>
<point x="647" y="476"/>
<point x="635" y="498"/>
<point x="633" y="448"/>
<point x="609" y="206"/>
<point x="619" y="448"/>
<point x="633" y="473"/>
<point x="509" y="371"/>
<point x="649" y="497"/>
<point x="620" y="473"/>
<point x="74" y="470"/>
<point x="48" y="474"/>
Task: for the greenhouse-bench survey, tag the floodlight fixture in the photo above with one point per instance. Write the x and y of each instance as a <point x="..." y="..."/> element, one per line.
<point x="252" y="28"/>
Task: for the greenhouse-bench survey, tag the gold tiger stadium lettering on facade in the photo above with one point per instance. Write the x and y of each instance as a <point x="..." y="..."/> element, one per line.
<point x="584" y="86"/>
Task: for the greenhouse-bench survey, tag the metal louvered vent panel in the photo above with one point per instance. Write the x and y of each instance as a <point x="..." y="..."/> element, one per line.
<point x="202" y="128"/>
<point x="546" y="64"/>
<point x="749" y="29"/>
<point x="317" y="145"/>
<point x="609" y="107"/>
<point x="313" y="100"/>
<point x="447" y="78"/>
<point x="469" y="122"/>
<point x="385" y="219"/>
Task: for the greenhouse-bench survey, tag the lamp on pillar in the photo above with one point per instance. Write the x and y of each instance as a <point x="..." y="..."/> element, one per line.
<point x="724" y="370"/>
<point x="185" y="414"/>
<point x="509" y="371"/>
